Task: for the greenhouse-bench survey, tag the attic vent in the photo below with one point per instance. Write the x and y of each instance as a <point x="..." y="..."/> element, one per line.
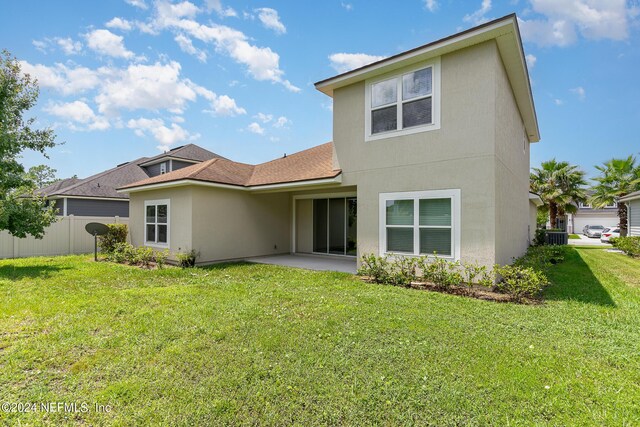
<point x="177" y="148"/>
<point x="122" y="164"/>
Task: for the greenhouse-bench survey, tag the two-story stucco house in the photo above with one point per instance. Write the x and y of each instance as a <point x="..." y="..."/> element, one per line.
<point x="430" y="153"/>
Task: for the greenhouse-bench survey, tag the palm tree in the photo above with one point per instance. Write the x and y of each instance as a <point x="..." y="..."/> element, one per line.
<point x="618" y="177"/>
<point x="560" y="185"/>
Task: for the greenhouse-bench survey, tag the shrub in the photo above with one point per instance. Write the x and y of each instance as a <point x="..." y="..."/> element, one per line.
<point x="520" y="282"/>
<point x="374" y="267"/>
<point x="161" y="258"/>
<point x="539" y="238"/>
<point x="473" y="271"/>
<point x="402" y="271"/>
<point x="441" y="272"/>
<point x="117" y="234"/>
<point x="187" y="259"/>
<point x="542" y="257"/>
<point x="629" y="245"/>
<point x="144" y="256"/>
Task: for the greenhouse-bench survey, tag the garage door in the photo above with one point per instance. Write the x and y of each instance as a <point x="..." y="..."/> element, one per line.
<point x="579" y="221"/>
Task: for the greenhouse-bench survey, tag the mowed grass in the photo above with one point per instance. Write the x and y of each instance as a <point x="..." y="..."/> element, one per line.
<point x="266" y="345"/>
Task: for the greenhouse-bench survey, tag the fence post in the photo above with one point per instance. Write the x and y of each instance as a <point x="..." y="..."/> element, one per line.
<point x="13" y="246"/>
<point x="71" y="233"/>
<point x="116" y="219"/>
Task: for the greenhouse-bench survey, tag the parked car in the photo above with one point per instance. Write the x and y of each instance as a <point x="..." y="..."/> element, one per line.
<point x="608" y="233"/>
<point x="593" y="230"/>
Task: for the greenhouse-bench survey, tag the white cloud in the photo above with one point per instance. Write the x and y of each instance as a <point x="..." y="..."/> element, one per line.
<point x="151" y="87"/>
<point x="343" y="62"/>
<point x="271" y="20"/>
<point x="558" y="101"/>
<point x="264" y="118"/>
<point x="531" y="60"/>
<point x="105" y="42"/>
<point x="262" y="63"/>
<point x="68" y="46"/>
<point x="478" y="17"/>
<point x="281" y="122"/>
<point x="347" y="6"/>
<point x="187" y="46"/>
<point x="255" y="128"/>
<point x="579" y="92"/>
<point x="562" y="21"/>
<point x="166" y="136"/>
<point x="431" y="5"/>
<point x="63" y="79"/>
<point x="216" y="5"/>
<point x="79" y="112"/>
<point x="137" y="3"/>
<point x="120" y="24"/>
<point x="41" y="45"/>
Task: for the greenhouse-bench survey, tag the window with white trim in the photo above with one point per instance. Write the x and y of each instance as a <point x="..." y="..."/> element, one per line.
<point x="420" y="223"/>
<point x="156" y="222"/>
<point x="404" y="103"/>
<point x="163" y="168"/>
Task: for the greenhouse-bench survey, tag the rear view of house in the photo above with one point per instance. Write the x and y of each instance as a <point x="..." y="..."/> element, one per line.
<point x="430" y="155"/>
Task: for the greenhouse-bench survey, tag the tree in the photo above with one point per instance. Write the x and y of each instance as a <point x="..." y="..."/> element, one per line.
<point x="22" y="211"/>
<point x="618" y="177"/>
<point x="560" y="185"/>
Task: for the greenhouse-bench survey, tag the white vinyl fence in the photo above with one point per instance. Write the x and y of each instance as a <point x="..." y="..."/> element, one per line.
<point x="67" y="236"/>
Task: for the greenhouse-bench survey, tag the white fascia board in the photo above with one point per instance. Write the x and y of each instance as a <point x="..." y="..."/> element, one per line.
<point x="535" y="199"/>
<point x="165" y="158"/>
<point x="268" y="187"/>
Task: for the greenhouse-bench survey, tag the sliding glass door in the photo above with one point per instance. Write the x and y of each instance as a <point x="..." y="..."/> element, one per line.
<point x="334" y="226"/>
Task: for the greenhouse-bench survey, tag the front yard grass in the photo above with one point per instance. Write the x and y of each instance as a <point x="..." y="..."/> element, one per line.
<point x="574" y="236"/>
<point x="257" y="344"/>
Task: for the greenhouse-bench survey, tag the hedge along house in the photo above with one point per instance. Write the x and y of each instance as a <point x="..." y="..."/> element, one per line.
<point x="430" y="153"/>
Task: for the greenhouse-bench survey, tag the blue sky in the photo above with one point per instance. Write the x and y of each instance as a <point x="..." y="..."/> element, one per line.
<point x="122" y="79"/>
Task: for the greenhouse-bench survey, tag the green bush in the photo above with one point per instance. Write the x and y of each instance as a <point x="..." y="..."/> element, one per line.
<point x="161" y="258"/>
<point x="402" y="271"/>
<point x="542" y="257"/>
<point x="374" y="267"/>
<point x="539" y="238"/>
<point x="127" y="253"/>
<point x="629" y="245"/>
<point x="117" y="234"/>
<point x="187" y="259"/>
<point x="441" y="272"/>
<point x="520" y="282"/>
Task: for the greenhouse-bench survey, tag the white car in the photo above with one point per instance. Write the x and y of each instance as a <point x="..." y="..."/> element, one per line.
<point x="608" y="233"/>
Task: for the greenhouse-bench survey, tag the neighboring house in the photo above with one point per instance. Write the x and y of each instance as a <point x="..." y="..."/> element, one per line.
<point x="430" y="153"/>
<point x="97" y="195"/>
<point x="633" y="212"/>
<point x="586" y="215"/>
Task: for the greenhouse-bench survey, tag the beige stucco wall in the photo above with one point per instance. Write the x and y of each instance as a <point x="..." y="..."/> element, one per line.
<point x="180" y="217"/>
<point x="461" y="154"/>
<point x="304" y="225"/>
<point x="232" y="224"/>
<point x="220" y="224"/>
<point x="512" y="173"/>
<point x="533" y="221"/>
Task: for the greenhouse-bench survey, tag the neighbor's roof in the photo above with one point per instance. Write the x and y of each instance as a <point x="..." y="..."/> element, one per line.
<point x="105" y="184"/>
<point x="311" y="164"/>
<point x="630" y="196"/>
<point x="504" y="31"/>
<point x="190" y="152"/>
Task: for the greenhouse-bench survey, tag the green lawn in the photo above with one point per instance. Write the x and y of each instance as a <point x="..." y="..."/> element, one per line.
<point x="574" y="236"/>
<point x="255" y="344"/>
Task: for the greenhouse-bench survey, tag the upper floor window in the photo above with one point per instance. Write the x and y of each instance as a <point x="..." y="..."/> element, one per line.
<point x="163" y="168"/>
<point x="402" y="104"/>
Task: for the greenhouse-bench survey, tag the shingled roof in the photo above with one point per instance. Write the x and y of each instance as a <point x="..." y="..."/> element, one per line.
<point x="311" y="164"/>
<point x="105" y="184"/>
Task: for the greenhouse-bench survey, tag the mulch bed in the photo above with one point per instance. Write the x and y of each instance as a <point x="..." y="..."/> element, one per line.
<point x="477" y="292"/>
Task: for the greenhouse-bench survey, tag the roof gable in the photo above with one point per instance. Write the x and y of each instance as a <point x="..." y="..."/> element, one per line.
<point x="504" y="31"/>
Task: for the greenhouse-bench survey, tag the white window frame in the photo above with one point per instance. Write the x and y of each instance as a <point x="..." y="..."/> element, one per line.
<point x="163" y="168"/>
<point x="435" y="102"/>
<point x="416" y="196"/>
<point x="157" y="203"/>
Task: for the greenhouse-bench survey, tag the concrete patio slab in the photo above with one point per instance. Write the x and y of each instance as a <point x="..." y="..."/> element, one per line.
<point x="310" y="262"/>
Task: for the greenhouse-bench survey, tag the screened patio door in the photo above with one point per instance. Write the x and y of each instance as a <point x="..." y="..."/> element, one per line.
<point x="334" y="226"/>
